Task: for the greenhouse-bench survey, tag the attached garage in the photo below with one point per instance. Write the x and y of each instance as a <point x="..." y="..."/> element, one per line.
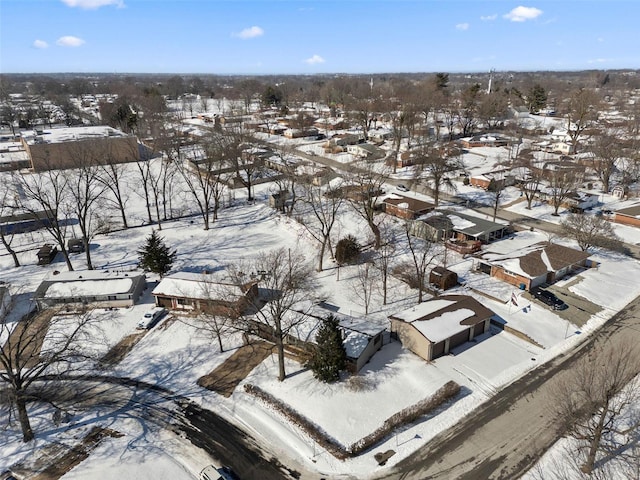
<point x="431" y="329"/>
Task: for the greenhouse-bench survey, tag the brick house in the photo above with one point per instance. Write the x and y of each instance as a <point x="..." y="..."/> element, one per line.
<point x="406" y="207"/>
<point x="534" y="266"/>
<point x="628" y="216"/>
<point x="204" y="292"/>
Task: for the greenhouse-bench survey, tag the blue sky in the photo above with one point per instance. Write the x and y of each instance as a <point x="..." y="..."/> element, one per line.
<point x="307" y="37"/>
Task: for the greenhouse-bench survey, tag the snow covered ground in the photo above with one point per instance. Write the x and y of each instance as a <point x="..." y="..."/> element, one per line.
<point x="175" y="355"/>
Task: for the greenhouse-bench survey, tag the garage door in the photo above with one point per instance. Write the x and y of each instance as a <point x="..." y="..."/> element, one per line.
<point x="437" y="350"/>
<point x="459" y="339"/>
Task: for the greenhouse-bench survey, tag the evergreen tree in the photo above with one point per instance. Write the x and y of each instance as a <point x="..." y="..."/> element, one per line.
<point x="347" y="250"/>
<point x="536" y="98"/>
<point x="155" y="256"/>
<point x="329" y="357"/>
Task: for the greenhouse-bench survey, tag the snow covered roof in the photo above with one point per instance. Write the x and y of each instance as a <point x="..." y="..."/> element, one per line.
<point x="201" y="286"/>
<point x="538" y="259"/>
<point x="445" y="316"/>
<point x="68" y="134"/>
<point x="88" y="283"/>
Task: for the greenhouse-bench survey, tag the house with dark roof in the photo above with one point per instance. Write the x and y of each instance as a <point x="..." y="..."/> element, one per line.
<point x="432" y="328"/>
<point x="451" y="224"/>
<point x="534" y="266"/>
<point x="628" y="216"/>
<point x="408" y="208"/>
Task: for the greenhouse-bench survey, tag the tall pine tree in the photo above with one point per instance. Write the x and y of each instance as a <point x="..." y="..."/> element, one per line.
<point x="155" y="256"/>
<point x="329" y="356"/>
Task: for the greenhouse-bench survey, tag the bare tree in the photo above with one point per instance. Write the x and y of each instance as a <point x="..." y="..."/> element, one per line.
<point x="364" y="284"/>
<point x="468" y="108"/>
<point x="218" y="309"/>
<point x="112" y="176"/>
<point x="8" y="206"/>
<point x="205" y="180"/>
<point x="582" y="114"/>
<point x="423" y="253"/>
<point x="285" y="290"/>
<point x="531" y="177"/>
<point x="322" y="208"/>
<point x="85" y="190"/>
<point x="232" y="142"/>
<point x="609" y="150"/>
<point x="435" y="163"/>
<point x="46" y="194"/>
<point x="590" y="231"/>
<point x="561" y="184"/>
<point x="26" y="357"/>
<point x="386" y="253"/>
<point x="590" y="404"/>
<point x="362" y="192"/>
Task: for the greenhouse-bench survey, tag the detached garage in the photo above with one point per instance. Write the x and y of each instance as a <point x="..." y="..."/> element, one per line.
<point x="431" y="329"/>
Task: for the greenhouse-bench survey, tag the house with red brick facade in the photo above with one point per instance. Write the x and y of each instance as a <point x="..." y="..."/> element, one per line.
<point x="628" y="216"/>
<point x="406" y="207"/>
<point x="540" y="263"/>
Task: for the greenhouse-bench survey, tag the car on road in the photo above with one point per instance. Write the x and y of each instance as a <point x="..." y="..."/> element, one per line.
<point x="152" y="317"/>
<point x="402" y="188"/>
<point x="550" y="299"/>
<point x="211" y="472"/>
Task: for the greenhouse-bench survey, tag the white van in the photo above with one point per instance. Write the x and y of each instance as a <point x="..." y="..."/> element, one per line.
<point x="151" y="317"/>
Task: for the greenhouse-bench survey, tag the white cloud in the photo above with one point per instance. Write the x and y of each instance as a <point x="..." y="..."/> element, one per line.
<point x="40" y="44"/>
<point x="462" y="26"/>
<point x="251" y="32"/>
<point x="599" y="60"/>
<point x="92" y="4"/>
<point x="69" y="41"/>
<point x="314" y="60"/>
<point x="522" y="14"/>
<point x="600" y="39"/>
<point x="486" y="18"/>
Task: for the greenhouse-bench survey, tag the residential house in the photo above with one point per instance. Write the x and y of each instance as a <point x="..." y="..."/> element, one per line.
<point x="330" y="124"/>
<point x="493" y="181"/>
<point x="204" y="292"/>
<point x="628" y="216"/>
<point x="450" y="224"/>
<point x="103" y="288"/>
<point x="432" y="328"/>
<point x="366" y="150"/>
<point x="540" y="263"/>
<point x="408" y="208"/>
<point x="361" y="338"/>
<point x="484" y="140"/>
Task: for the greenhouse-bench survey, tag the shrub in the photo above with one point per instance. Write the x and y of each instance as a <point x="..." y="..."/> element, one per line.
<point x="347" y="250"/>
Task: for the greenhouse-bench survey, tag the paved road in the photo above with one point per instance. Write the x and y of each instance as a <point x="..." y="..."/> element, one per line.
<point x="505" y="437"/>
<point x="221" y="439"/>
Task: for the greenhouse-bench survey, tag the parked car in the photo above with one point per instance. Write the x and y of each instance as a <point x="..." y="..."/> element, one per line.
<point x="550" y="299"/>
<point x="402" y="188"/>
<point x="152" y="317"/>
<point x="212" y="472"/>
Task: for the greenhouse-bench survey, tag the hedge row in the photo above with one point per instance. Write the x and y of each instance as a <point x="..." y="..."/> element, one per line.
<point x="403" y="417"/>
<point x="310" y="428"/>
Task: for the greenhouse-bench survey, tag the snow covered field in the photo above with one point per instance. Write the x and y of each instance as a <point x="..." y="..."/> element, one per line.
<point x="174" y="354"/>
